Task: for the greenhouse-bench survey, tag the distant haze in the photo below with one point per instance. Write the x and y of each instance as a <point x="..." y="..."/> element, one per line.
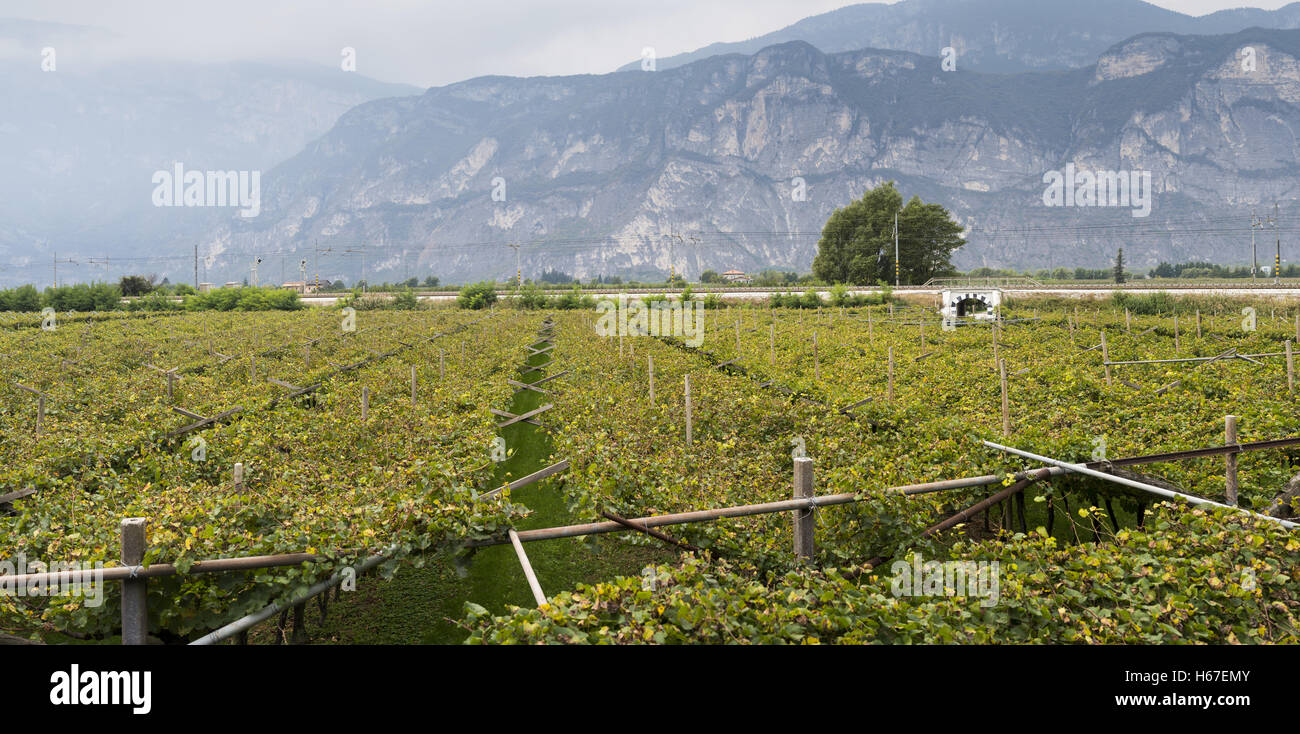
<point x="435" y="43"/>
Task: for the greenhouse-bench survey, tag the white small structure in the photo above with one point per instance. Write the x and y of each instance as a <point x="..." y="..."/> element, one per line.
<point x="736" y="276"/>
<point x="963" y="303"/>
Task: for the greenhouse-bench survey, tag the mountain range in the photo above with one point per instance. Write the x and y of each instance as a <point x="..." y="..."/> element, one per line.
<point x="729" y="157"/>
<point x="599" y="172"/>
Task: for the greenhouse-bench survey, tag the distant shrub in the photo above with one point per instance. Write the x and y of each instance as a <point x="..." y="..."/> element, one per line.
<point x="477" y="295"/>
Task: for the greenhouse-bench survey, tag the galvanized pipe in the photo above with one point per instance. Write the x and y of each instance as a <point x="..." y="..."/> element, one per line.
<point x="247" y="622"/>
<point x="1167" y="493"/>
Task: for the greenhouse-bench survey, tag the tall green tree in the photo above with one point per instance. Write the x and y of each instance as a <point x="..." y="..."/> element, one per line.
<point x="857" y="243"/>
<point x="1118" y="270"/>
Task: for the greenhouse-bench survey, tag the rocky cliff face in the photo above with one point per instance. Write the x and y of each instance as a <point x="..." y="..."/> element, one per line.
<point x="743" y="158"/>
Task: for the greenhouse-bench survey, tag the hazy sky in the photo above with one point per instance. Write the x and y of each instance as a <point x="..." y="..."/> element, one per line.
<point x="436" y="42"/>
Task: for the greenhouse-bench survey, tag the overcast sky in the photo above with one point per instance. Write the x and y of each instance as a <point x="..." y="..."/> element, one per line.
<point x="434" y="42"/>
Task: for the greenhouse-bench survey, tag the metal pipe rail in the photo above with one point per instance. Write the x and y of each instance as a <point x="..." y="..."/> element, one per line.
<point x="1151" y="489"/>
<point x="247" y="622"/>
<point x="248" y="563"/>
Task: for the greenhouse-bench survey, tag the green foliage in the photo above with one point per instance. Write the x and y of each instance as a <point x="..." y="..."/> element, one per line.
<point x="135" y="285"/>
<point x="405" y="300"/>
<point x="244" y="299"/>
<point x="156" y="301"/>
<point x="710" y="276"/>
<point x="1189" y="577"/>
<point x="83" y="297"/>
<point x="477" y="295"/>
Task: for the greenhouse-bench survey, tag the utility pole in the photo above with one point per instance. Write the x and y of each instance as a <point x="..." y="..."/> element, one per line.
<point x="672" y="256"/>
<point x="196" y="267"/>
<point x="519" y="273"/>
<point x="256" y="262"/>
<point x="897" y="266"/>
<point x="1277" y="262"/>
<point x="1255" y="223"/>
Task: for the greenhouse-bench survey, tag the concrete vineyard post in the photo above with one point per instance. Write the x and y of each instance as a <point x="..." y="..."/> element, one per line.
<point x="650" y="372"/>
<point x="413" y="400"/>
<point x="804" y="520"/>
<point x="135" y="610"/>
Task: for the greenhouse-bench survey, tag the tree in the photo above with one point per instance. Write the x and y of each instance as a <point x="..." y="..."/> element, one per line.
<point x="1119" y="266"/>
<point x="134" y="285"/>
<point x="710" y="276"/>
<point x="857" y="243"/>
<point x="477" y="295"/>
<point x="431" y="282"/>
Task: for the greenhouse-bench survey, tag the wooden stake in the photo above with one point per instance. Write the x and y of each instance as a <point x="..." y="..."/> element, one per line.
<point x="1230" y="432"/>
<point x="805" y="521"/>
<point x="889" y="390"/>
<point x="1198" y="323"/>
<point x="772" y="339"/>
<point x="1290" y="368"/>
<point x="535" y="587"/>
<point x="413" y="400"/>
<point x="365" y="403"/>
<point x="40" y="413"/>
<point x="1176" y="345"/>
<point x="688" y="409"/>
<point x="817" y="367"/>
<point x="1006" y="403"/>
<point x="1105" y="357"/>
<point x="1128" y="322"/>
<point x="442" y="365"/>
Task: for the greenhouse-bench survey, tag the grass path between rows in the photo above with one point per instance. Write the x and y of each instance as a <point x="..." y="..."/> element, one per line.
<point x="422" y="605"/>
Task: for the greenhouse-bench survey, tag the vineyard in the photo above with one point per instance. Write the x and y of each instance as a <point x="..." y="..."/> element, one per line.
<point x="327" y="441"/>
